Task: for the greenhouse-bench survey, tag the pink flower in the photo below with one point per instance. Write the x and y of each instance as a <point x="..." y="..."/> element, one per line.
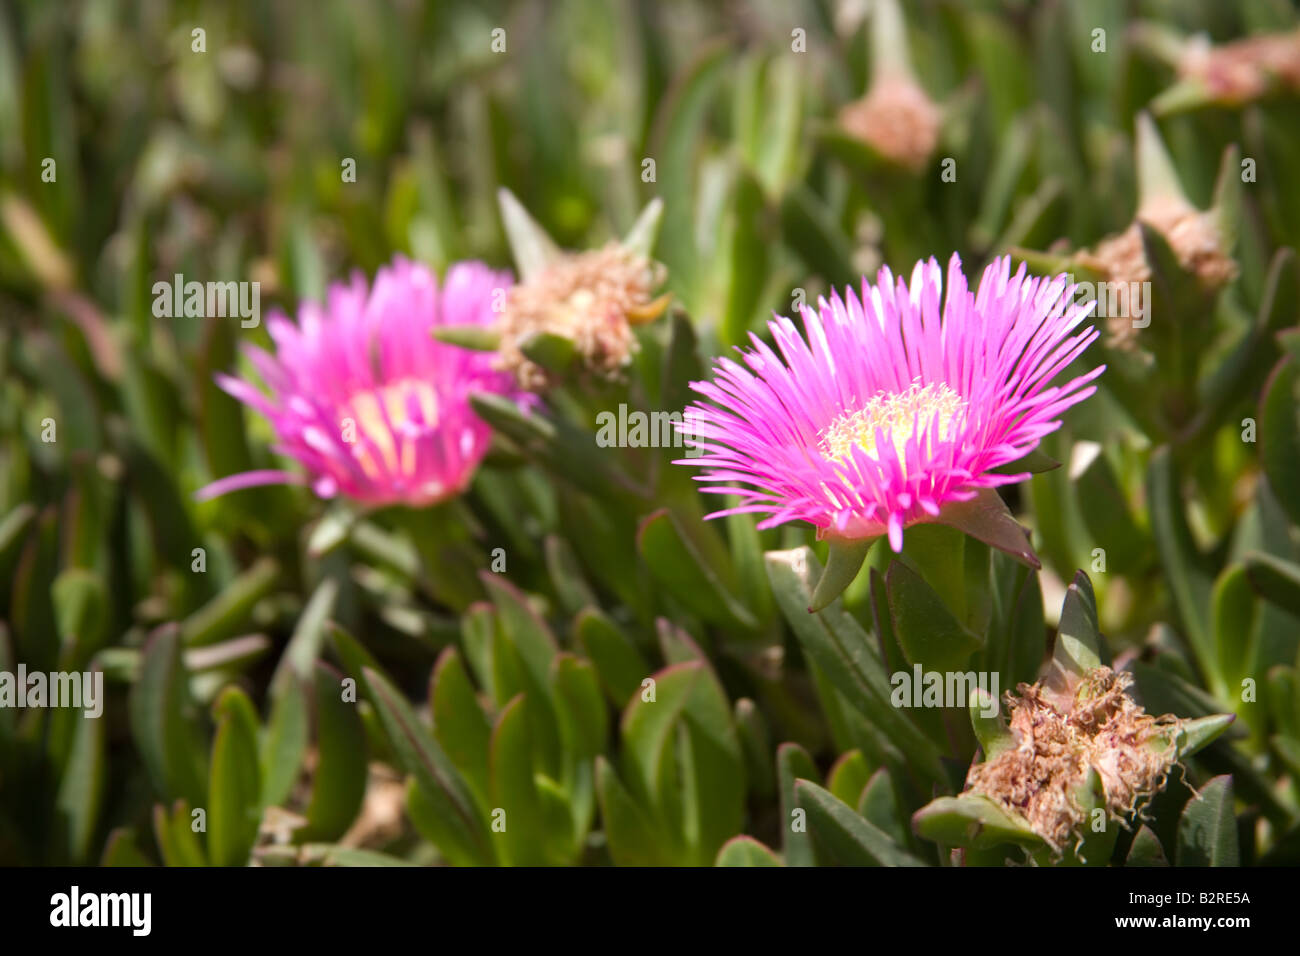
<point x="892" y="410"/>
<point x="365" y="399"/>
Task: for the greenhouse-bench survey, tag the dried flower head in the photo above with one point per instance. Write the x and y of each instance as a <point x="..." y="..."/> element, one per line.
<point x="592" y="298"/>
<point x="1244" y="70"/>
<point x="897" y="119"/>
<point x="1060" y="734"/>
<point x="1121" y="259"/>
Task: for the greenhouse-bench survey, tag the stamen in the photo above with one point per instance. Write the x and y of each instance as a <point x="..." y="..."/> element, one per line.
<point x="367" y="411"/>
<point x="897" y="415"/>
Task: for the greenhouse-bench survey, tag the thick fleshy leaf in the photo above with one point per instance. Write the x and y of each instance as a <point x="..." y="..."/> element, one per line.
<point x="1207" y="830"/>
<point x="1275" y="580"/>
<point x="161" y="723"/>
<point x="684" y="759"/>
<point x="1184" y="568"/>
<point x="676" y="561"/>
<point x="848" y="776"/>
<point x="459" y="723"/>
<point x="1146" y="850"/>
<point x="972" y="820"/>
<point x="641" y="237"/>
<point x="519" y="822"/>
<point x="879" y="805"/>
<point x="746" y="851"/>
<point x="532" y="248"/>
<point x="844" y="559"/>
<point x="557" y="445"/>
<point x="990" y="724"/>
<point x="1109" y="517"/>
<point x="1157" y="177"/>
<point x="235" y="786"/>
<point x="574" y="592"/>
<point x="584" y="732"/>
<point x="926" y="630"/>
<point x="308" y="636"/>
<point x="793" y="763"/>
<point x="338" y="785"/>
<point x="120" y="850"/>
<point x="80" y="600"/>
<point x="226" y="613"/>
<point x="756" y="745"/>
<point x="619" y="663"/>
<point x="452" y="823"/>
<point x="633" y="838"/>
<point x="987" y="518"/>
<point x="284" y="741"/>
<point x="1079" y="646"/>
<point x="476" y="338"/>
<point x="847" y="656"/>
<point x="1279" y="434"/>
<point x="177" y="837"/>
<point x="846" y="837"/>
<point x="1095" y="846"/>
<point x="81" y="791"/>
<point x="1196" y="734"/>
<point x="534" y="647"/>
<point x="1236" y="614"/>
<point x="550" y="351"/>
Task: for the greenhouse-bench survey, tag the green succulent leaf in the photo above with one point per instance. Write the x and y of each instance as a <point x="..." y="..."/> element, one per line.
<point x="1146" y="850"/>
<point x="555" y="353"/>
<point x="987" y="518"/>
<point x="973" y="820"/>
<point x="177" y="836"/>
<point x="459" y="723"/>
<point x="1184" y="569"/>
<point x="634" y="839"/>
<point x="1079" y="647"/>
<point x="338" y="786"/>
<point x="793" y="763"/>
<point x="81" y="791"/>
<point x="848" y="777"/>
<point x="850" y="661"/>
<point x="846" y="837"/>
<point x="1207" y="830"/>
<point x="620" y="665"/>
<point x="1274" y="579"/>
<point x="120" y="849"/>
<point x="677" y="563"/>
<point x="878" y="805"/>
<point x="927" y="631"/>
<point x="844" y="559"/>
<point x="476" y="338"/>
<point x="283" y="742"/>
<point x="446" y="808"/>
<point x="161" y="721"/>
<point x="235" y="786"/>
<point x="518" y="818"/>
<point x="746" y="851"/>
<point x="992" y="731"/>
<point x="532" y="248"/>
<point x="1279" y="434"/>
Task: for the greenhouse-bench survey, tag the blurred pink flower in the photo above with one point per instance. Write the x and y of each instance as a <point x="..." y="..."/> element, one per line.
<point x="892" y="408"/>
<point x="365" y="399"/>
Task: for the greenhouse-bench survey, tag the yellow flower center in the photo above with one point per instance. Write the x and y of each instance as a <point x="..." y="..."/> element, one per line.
<point x="367" y="410"/>
<point x="897" y="415"/>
